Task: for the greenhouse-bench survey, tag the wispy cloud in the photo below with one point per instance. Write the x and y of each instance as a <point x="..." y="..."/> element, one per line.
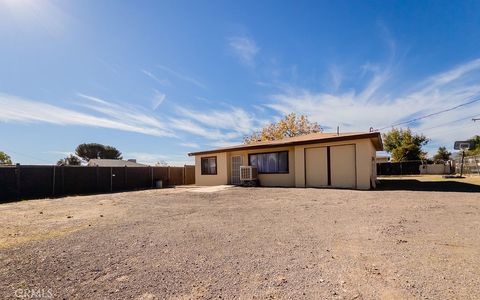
<point x="336" y="76"/>
<point x="190" y="145"/>
<point x="43" y="15"/>
<point x="191" y="127"/>
<point x="183" y="77"/>
<point x="374" y="105"/>
<point x="244" y="48"/>
<point x="163" y="82"/>
<point x="62" y="153"/>
<point x="158" y="99"/>
<point x="110" y="115"/>
<point x="219" y="126"/>
<point x="234" y="119"/>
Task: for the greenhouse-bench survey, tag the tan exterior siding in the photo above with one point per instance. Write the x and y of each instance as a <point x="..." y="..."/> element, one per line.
<point x="359" y="165"/>
<point x="287" y="179"/>
<point x="220" y="178"/>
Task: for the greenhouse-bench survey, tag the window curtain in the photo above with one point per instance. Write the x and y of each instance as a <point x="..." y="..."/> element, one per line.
<point x="275" y="162"/>
<point x="209" y="165"/>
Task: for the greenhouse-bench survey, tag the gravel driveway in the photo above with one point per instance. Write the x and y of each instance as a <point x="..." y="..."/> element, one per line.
<point x="243" y="243"/>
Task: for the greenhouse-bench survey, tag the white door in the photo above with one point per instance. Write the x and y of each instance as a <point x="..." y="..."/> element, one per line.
<point x="236" y="163"/>
<point x="316" y="172"/>
<point x="343" y="166"/>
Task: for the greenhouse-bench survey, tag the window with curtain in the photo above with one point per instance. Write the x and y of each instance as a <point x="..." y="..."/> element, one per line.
<point x="270" y="163"/>
<point x="209" y="165"/>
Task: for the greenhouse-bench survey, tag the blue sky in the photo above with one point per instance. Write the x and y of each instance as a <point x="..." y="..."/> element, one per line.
<point x="159" y="79"/>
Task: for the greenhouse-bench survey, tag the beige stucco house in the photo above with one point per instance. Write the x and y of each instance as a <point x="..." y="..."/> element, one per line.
<point x="345" y="160"/>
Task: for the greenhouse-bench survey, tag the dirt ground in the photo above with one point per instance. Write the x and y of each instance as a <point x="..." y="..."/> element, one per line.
<point x="245" y="243"/>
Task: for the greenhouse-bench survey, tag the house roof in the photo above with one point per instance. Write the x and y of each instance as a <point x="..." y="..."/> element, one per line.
<point x="312" y="138"/>
<point x="113" y="163"/>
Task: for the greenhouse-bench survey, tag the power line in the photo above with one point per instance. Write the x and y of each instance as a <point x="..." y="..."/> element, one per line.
<point x="477" y="99"/>
<point x="450" y="122"/>
<point x="27" y="155"/>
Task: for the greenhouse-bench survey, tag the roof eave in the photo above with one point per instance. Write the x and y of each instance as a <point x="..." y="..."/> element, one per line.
<point x="370" y="135"/>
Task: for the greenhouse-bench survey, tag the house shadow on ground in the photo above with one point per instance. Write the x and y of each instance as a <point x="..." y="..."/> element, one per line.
<point x="430" y="186"/>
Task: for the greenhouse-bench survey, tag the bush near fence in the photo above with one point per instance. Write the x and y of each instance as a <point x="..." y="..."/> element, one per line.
<point x="29" y="182"/>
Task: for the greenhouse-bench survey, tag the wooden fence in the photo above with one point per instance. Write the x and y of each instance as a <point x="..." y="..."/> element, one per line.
<point x="29" y="182"/>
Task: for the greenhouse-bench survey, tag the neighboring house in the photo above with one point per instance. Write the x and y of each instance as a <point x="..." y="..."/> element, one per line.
<point x="345" y="160"/>
<point x="114" y="163"/>
<point x="383" y="158"/>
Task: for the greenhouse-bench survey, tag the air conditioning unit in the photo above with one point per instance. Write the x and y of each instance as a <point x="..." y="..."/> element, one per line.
<point x="248" y="173"/>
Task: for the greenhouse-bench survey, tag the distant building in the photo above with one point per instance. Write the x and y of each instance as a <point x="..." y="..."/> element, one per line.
<point x="114" y="163"/>
<point x="382" y="158"/>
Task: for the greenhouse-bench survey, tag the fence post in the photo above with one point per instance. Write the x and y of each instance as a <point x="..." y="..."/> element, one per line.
<point x="151" y="176"/>
<point x="168" y="175"/>
<point x="17" y="173"/>
<point x="184" y="171"/>
<point x="461" y="166"/>
<point x="111" y="179"/>
<point x="63" y="179"/>
<point x="125" y="178"/>
<point x="53" y="182"/>
<point x="97" y="171"/>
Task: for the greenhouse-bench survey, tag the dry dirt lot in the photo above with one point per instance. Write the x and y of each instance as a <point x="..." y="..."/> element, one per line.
<point x="246" y="243"/>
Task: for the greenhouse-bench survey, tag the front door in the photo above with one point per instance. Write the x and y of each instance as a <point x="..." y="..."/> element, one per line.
<point x="236" y="163"/>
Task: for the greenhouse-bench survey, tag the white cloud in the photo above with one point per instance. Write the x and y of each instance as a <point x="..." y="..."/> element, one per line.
<point x="163" y="82"/>
<point x="336" y="76"/>
<point x="62" y="153"/>
<point x="113" y="116"/>
<point x="214" y="125"/>
<point x="183" y="77"/>
<point x="158" y="99"/>
<point x="222" y="144"/>
<point x="244" y="48"/>
<point x="189" y="126"/>
<point x="234" y="119"/>
<point x="190" y="145"/>
<point x="358" y="110"/>
<point x="220" y="126"/>
<point x="35" y="15"/>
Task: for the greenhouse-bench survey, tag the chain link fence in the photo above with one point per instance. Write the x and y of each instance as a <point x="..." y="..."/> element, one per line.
<point x="471" y="165"/>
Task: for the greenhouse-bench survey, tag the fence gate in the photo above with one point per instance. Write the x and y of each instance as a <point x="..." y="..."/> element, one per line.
<point x="236" y="163"/>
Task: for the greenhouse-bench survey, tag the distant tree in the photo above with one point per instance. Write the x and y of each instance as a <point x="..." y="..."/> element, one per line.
<point x="442" y="155"/>
<point x="94" y="150"/>
<point x="70" y="160"/>
<point x="161" y="163"/>
<point x="289" y="126"/>
<point x="5" y="159"/>
<point x="404" y="145"/>
<point x="110" y="152"/>
<point x="476" y="146"/>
